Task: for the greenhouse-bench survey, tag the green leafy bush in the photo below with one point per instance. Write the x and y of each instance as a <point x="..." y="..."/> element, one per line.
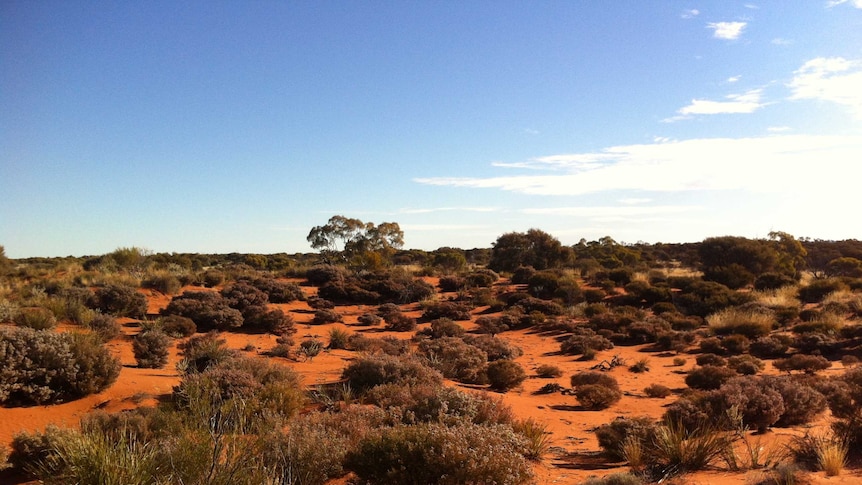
<point x="121" y="301"/>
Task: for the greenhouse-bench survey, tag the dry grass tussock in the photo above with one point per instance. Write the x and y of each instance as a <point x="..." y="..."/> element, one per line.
<point x="741" y="321"/>
<point x="787" y="296"/>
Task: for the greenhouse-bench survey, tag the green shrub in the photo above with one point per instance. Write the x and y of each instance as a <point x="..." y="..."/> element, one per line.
<point x="611" y="436"/>
<point x="30" y="450"/>
<point x="165" y="283"/>
<point x="338" y="338"/>
<point x="208" y="310"/>
<point x="445" y="327"/>
<point x="43" y="367"/>
<point x="151" y="349"/>
<point x="435" y="454"/>
<point x="817" y="290"/>
<point x="121" y="301"/>
<point x="203" y="351"/>
<point x="505" y="374"/>
<point x="710" y="359"/>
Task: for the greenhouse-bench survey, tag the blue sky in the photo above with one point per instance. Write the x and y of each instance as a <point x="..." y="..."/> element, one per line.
<point x="237" y="126"/>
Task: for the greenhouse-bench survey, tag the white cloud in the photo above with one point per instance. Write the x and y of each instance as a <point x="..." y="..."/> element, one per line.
<point x="447" y="209"/>
<point x="688" y="14"/>
<point x="634" y="201"/>
<point x="792" y="164"/>
<point x="747" y="102"/>
<point x="833" y="3"/>
<point x="780" y="41"/>
<point x="441" y="227"/>
<point x="733" y="79"/>
<point x="610" y="211"/>
<point x="832" y="79"/>
<point x="779" y="129"/>
<point x="727" y="30"/>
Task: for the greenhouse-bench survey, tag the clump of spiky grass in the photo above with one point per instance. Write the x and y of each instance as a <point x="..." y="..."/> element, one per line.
<point x="786" y="296"/>
<point x="537" y="437"/>
<point x="676" y="450"/>
<point x="734" y="320"/>
<point x="338" y="338"/>
<point x="634" y="453"/>
<point x="93" y="458"/>
<point x="832" y="456"/>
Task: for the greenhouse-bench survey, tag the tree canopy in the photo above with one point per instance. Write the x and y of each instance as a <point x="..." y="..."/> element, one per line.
<point x="347" y="240"/>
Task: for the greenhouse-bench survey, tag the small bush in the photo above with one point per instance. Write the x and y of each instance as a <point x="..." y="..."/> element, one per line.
<point x="802" y="402"/>
<point x="338" y="338"/>
<point x="801" y="362"/>
<point x="495" y="348"/>
<point x="208" y="310"/>
<point x="708" y="377"/>
<point x="710" y="359"/>
<point x="165" y="283"/>
<point x="595" y="390"/>
<point x="584" y="342"/>
<point x="369" y="319"/>
<point x="399" y="322"/>
<point x="204" y="351"/>
<point x="657" y="391"/>
<point x="105" y="326"/>
<point x="450" y="310"/>
<point x="177" y="326"/>
<point x="492" y="325"/>
<point x="505" y="374"/>
<point x="752" y="324"/>
<point x="547" y="371"/>
<point x="456" y="359"/>
<point x="817" y="290"/>
<point x="746" y="364"/>
<point x="121" y="301"/>
<point x="151" y="349"/>
<point x="444" y="327"/>
<point x="310" y="348"/>
<point x="436" y="454"/>
<point x="611" y="436"/>
<point x="619" y="478"/>
<point x="770" y="346"/>
<point x="758" y="404"/>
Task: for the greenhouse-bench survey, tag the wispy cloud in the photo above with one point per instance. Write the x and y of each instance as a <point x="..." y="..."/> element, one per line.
<point x="771" y="164"/>
<point x="744" y="103"/>
<point x="727" y="30"/>
<point x="734" y="79"/>
<point x="447" y="209"/>
<point x="442" y="227"/>
<point x="611" y="211"/>
<point x="689" y="14"/>
<point x="778" y="129"/>
<point x="781" y="41"/>
<point x="833" y="79"/>
<point x="531" y="131"/>
<point x="833" y="3"/>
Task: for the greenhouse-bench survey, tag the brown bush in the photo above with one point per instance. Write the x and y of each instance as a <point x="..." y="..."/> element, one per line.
<point x="708" y="377"/>
<point x="801" y="362"/>
<point x="151" y="349"/>
<point x="505" y="374"/>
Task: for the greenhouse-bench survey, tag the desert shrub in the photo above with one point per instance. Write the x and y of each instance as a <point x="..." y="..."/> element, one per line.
<point x="446" y="309"/>
<point x="593" y="295"/>
<point x="310" y="348"/>
<point x="324" y="316"/>
<point x="611" y="436"/>
<point x="758" y="404"/>
<point x="770" y="346"/>
<point x="657" y="390"/>
<point x="752" y="324"/>
<point x="496" y="348"/>
<point x="522" y="275"/>
<point x="481" y="278"/>
<point x="121" y="301"/>
<point x="325" y="273"/>
<point x="772" y="281"/>
<point x="105" y="326"/>
<point x="703" y="298"/>
<point x="492" y="325"/>
<point x="802" y="402"/>
<point x="437" y="454"/>
<point x="369" y="319"/>
<point x="735" y="344"/>
<point x="817" y="290"/>
<point x="641" y="365"/>
<point x="745" y="364"/>
<point x="619" y="478"/>
<point x="318" y="303"/>
<point x="29" y="450"/>
<point x="505" y="374"/>
<point x="456" y="359"/>
<point x="278" y="291"/>
<point x="366" y="372"/>
<point x="708" y="377"/>
<point x="36" y="318"/>
<point x="399" y="322"/>
<point x="177" y="326"/>
<point x="212" y="278"/>
<point x="386" y="345"/>
<point x="43" y="367"/>
<point x="677" y="449"/>
<point x="530" y="304"/>
<point x="547" y="371"/>
<point x="816" y="343"/>
<point x="676" y="341"/>
<point x="151" y="349"/>
<point x="452" y="283"/>
<point x="823" y="323"/>
<point x="584" y="342"/>
<point x="710" y="359"/>
<point x="679" y="361"/>
<point x="595" y="390"/>
<point x="338" y="338"/>
<point x="801" y="362"/>
<point x="203" y="351"/>
<point x="536" y="435"/>
<point x="165" y="283"/>
<point x="244" y="297"/>
<point x="208" y="310"/>
<point x="444" y="327"/>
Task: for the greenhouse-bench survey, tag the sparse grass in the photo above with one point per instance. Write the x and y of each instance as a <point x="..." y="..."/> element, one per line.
<point x="547" y="371"/>
<point x="634" y="453"/>
<point x="640" y="366"/>
<point x="676" y="450"/>
<point x="338" y="338"/>
<point x="786" y="296"/>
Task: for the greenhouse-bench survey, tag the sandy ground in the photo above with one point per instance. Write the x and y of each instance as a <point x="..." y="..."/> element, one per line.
<point x="572" y="457"/>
